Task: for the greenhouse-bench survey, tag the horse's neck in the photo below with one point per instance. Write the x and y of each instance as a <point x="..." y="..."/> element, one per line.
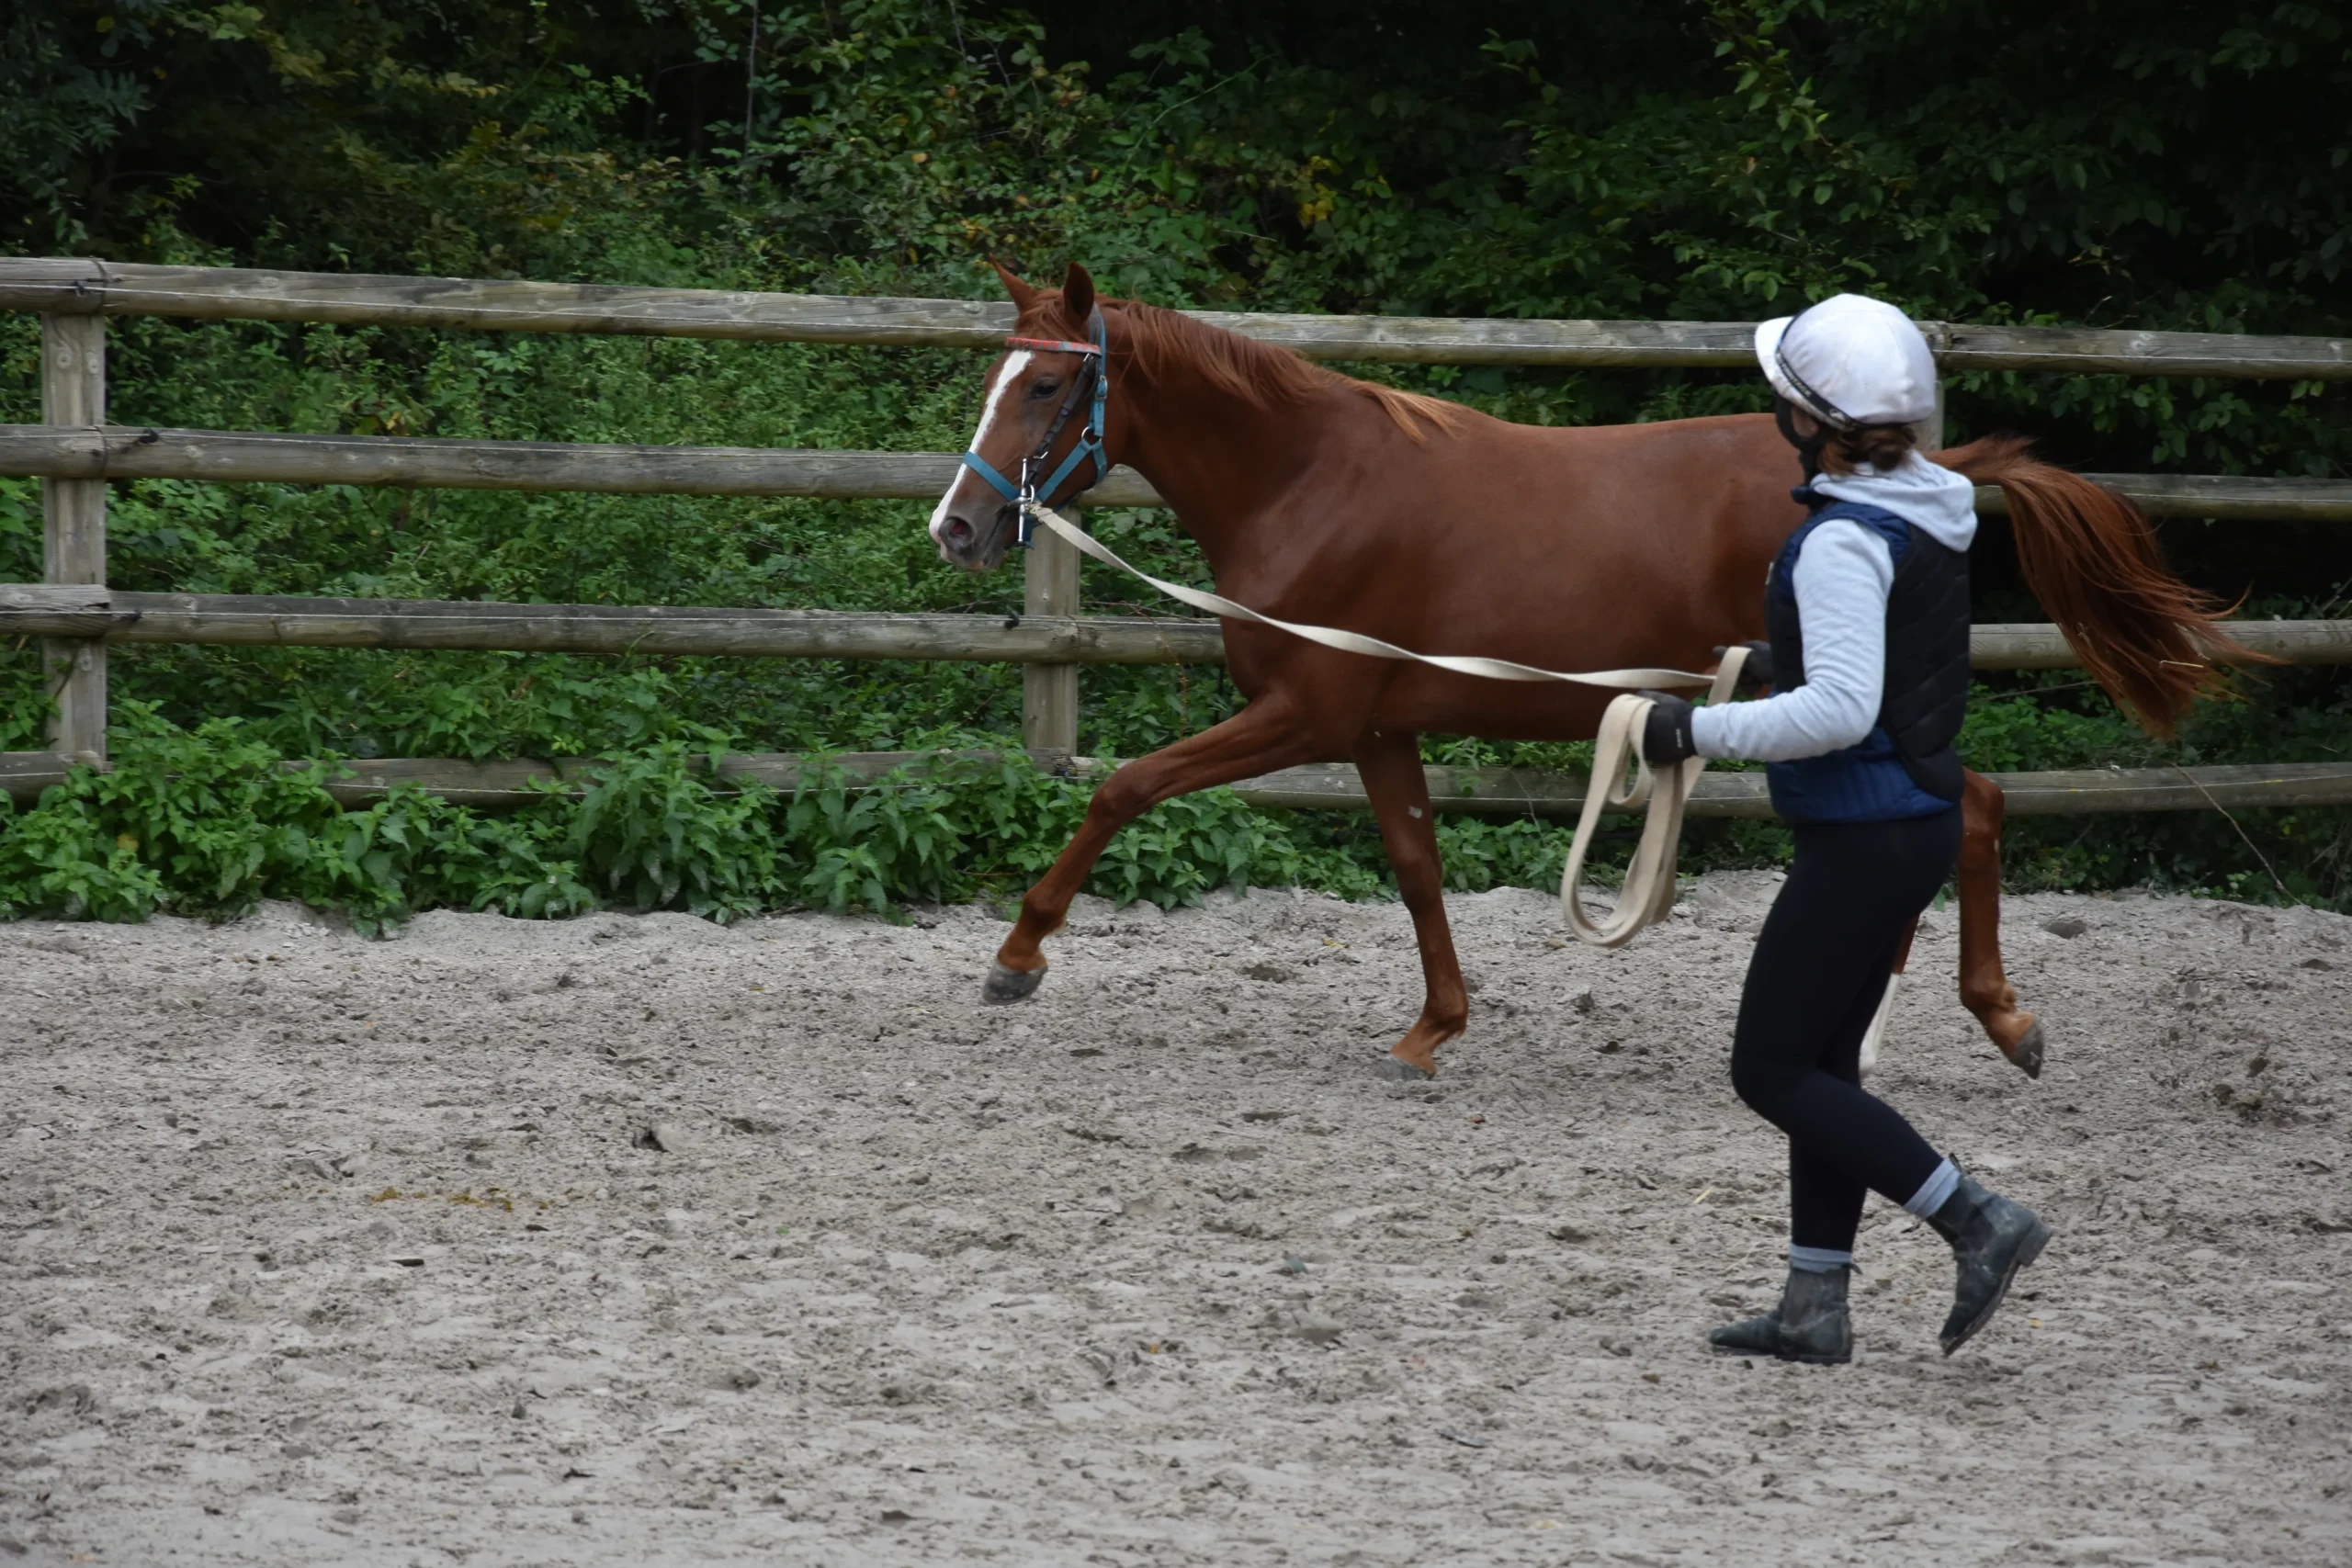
<point x="1223" y="464"/>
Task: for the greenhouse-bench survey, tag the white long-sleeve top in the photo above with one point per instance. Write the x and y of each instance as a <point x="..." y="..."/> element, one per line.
<point x="1842" y="577"/>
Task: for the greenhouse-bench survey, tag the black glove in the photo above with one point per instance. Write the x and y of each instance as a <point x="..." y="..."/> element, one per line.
<point x="1666" y="732"/>
<point x="1756" y="675"/>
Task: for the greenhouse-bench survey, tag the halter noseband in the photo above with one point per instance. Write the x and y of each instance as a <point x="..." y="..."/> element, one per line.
<point x="1094" y="373"/>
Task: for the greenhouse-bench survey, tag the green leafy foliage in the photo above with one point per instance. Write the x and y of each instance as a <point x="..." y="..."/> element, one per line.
<point x="2102" y="163"/>
<point x="209" y="822"/>
<point x="650" y="835"/>
<point x="864" y="846"/>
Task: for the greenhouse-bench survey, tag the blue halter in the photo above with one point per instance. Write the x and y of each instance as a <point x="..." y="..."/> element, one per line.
<point x="1095" y="359"/>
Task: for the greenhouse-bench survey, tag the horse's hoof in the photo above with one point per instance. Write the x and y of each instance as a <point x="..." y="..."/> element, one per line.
<point x="1398" y="1070"/>
<point x="1005" y="985"/>
<point x="2028" y="1054"/>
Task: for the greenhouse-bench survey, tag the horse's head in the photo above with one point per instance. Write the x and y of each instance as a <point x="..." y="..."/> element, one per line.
<point x="1031" y="392"/>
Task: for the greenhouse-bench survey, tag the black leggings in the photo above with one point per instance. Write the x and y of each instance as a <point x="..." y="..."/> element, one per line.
<point x="1820" y="968"/>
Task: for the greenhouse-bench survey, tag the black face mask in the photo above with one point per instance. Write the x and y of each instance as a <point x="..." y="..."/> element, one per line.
<point x="1808" y="447"/>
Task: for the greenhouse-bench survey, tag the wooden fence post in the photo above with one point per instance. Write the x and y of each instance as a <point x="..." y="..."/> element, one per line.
<point x="1930" y="431"/>
<point x="1928" y="435"/>
<point x="74" y="392"/>
<point x="1049" y="691"/>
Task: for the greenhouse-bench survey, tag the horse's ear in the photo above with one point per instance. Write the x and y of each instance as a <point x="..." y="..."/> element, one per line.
<point x="1022" y="295"/>
<point x="1078" y="296"/>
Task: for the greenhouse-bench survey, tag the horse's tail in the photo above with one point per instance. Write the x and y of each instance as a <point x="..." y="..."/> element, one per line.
<point x="2150" y="640"/>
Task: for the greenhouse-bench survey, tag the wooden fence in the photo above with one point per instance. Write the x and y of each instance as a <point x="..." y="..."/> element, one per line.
<point x="78" y="453"/>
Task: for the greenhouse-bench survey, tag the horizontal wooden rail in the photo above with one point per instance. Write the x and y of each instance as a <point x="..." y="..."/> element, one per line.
<point x="229" y="456"/>
<point x="1523" y="792"/>
<point x="1336" y="786"/>
<point x="2227" y="496"/>
<point x="32" y="609"/>
<point x="2040" y="646"/>
<point x="72" y="285"/>
<point x="267" y="621"/>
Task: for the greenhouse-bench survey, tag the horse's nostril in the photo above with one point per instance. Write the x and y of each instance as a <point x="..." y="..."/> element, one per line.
<point x="958" y="532"/>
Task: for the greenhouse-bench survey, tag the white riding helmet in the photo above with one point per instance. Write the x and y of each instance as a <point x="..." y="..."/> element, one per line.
<point x="1851" y="360"/>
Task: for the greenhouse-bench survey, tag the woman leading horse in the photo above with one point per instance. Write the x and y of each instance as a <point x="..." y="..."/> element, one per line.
<point x="1324" y="499"/>
<point x="1867" y="611"/>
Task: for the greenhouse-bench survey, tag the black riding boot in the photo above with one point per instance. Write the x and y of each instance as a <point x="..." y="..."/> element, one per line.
<point x="1810" y="1324"/>
<point x="1991" y="1238"/>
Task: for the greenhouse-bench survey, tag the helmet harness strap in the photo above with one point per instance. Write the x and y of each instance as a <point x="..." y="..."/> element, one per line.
<point x="1825" y="414"/>
<point x="1808" y="447"/>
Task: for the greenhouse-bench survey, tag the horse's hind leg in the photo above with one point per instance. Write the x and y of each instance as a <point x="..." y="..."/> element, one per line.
<point x="1984" y="987"/>
<point x="1391" y="765"/>
<point x="1876" y="1036"/>
<point x="1269" y="733"/>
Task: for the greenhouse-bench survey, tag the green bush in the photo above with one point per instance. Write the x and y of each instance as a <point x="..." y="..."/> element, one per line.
<point x="209" y="822"/>
<point x="1702" y="162"/>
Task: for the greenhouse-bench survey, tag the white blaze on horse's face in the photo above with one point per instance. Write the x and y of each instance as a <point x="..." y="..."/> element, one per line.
<point x="957" y="551"/>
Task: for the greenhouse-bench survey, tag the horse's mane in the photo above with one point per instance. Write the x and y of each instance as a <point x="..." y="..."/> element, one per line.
<point x="1158" y="340"/>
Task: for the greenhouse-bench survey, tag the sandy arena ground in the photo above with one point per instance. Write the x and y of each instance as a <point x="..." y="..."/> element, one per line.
<point x="638" y="1240"/>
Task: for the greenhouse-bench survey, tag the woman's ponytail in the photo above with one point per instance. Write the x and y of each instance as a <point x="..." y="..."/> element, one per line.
<point x="1881" y="447"/>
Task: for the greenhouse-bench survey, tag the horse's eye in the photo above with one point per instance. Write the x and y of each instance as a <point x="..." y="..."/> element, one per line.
<point x="1046" y="389"/>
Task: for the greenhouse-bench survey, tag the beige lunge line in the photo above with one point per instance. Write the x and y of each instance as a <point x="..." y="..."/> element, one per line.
<point x="1648" y="890"/>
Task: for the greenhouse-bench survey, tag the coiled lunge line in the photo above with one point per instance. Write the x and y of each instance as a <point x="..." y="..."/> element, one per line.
<point x="1648" y="890"/>
<point x="1648" y="893"/>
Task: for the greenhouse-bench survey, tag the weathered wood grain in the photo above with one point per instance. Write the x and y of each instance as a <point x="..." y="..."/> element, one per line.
<point x="272" y="621"/>
<point x="224" y="457"/>
<point x="516" y="783"/>
<point x="292" y="621"/>
<point x="1500" y="791"/>
<point x="50" y="284"/>
<point x="1049" y="699"/>
<point x="2228" y="497"/>
<point x="2077" y="793"/>
<point x="61" y="285"/>
<point x="73" y="528"/>
<point x="24" y="774"/>
<point x="1473" y="340"/>
<point x="1510" y="792"/>
<point x="63" y="609"/>
<point x="2030" y="646"/>
<point x="2080" y="351"/>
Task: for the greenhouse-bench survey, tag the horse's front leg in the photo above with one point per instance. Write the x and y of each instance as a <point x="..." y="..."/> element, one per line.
<point x="1390" y="762"/>
<point x="1985" y="989"/>
<point x="1271" y="732"/>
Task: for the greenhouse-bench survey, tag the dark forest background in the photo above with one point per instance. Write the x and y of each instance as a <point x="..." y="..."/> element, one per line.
<point x="2148" y="164"/>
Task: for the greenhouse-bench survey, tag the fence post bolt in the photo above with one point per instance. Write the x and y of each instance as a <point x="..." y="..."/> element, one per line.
<point x="74" y="535"/>
<point x="1049" y="691"/>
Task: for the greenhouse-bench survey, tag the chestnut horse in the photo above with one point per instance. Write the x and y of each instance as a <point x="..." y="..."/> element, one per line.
<point x="1324" y="499"/>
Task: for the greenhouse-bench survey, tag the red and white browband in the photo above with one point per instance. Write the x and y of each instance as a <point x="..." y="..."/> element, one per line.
<point x="1052" y="345"/>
